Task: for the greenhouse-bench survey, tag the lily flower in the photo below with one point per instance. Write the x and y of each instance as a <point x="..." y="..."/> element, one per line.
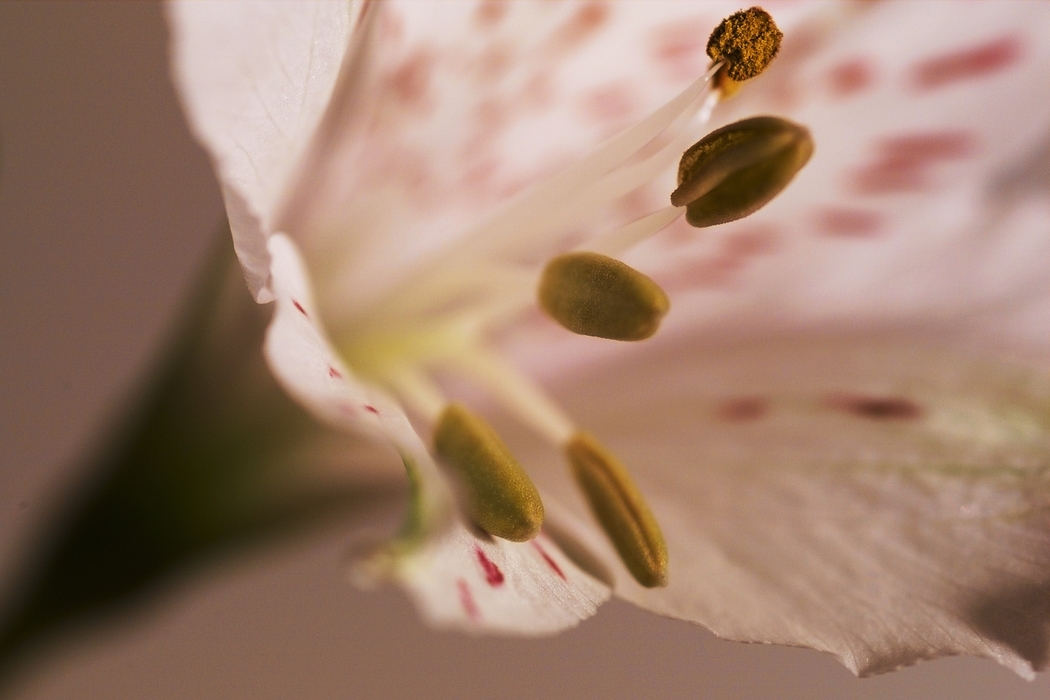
<point x="839" y="435"/>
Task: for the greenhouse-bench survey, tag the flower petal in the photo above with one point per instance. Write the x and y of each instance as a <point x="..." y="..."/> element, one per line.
<point x="869" y="496"/>
<point x="255" y="78"/>
<point x="462" y="578"/>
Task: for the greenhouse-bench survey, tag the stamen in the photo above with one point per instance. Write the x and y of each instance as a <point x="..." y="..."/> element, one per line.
<point x="736" y="170"/>
<point x="502" y="499"/>
<point x="620" y="508"/>
<point x="619" y="240"/>
<point x="533" y="219"/>
<point x="517" y="393"/>
<point x="592" y="294"/>
<point x="417" y="391"/>
<point x="747" y="41"/>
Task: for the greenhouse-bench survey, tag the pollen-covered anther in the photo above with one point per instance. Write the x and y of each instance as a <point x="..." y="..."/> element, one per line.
<point x="738" y="169"/>
<point x="502" y="500"/>
<point x="746" y="42"/>
<point x="593" y="294"/>
<point x="621" y="510"/>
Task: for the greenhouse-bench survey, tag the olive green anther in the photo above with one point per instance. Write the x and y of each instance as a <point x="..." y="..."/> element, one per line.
<point x="747" y="41"/>
<point x="738" y="169"/>
<point x="502" y="499"/>
<point x="593" y="294"/>
<point x="620" y="508"/>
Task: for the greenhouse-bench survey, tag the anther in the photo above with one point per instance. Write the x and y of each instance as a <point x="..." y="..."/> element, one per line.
<point x="746" y="41"/>
<point x="502" y="500"/>
<point x="736" y="170"/>
<point x="592" y="294"/>
<point x="620" y="508"/>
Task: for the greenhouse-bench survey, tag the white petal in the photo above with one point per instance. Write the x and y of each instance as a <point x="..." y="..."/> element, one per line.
<point x="464" y="579"/>
<point x="304" y="362"/>
<point x="255" y="79"/>
<point x="865" y="496"/>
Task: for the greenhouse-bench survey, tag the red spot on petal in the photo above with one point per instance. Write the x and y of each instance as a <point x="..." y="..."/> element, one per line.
<point x="875" y="407"/>
<point x="610" y="103"/>
<point x="902" y="163"/>
<point x="761" y="239"/>
<point x="300" y="308"/>
<point x="937" y="145"/>
<point x="493" y="576"/>
<point x="490" y="13"/>
<point x="371" y="409"/>
<point x="967" y="64"/>
<point x="410" y="82"/>
<point x="850" y="77"/>
<point x="583" y="23"/>
<point x="680" y="47"/>
<point x="701" y="273"/>
<point x="466" y="599"/>
<point x="742" y="409"/>
<point x="853" y="223"/>
<point x="334" y="373"/>
<point x="550" y="562"/>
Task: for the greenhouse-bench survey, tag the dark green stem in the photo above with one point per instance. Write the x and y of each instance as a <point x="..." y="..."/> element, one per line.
<point x="212" y="458"/>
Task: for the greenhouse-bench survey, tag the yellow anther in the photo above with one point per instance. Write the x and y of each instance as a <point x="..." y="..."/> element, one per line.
<point x="736" y="170"/>
<point x="502" y="499"/>
<point x="747" y="41"/>
<point x="593" y="294"/>
<point x="620" y="508"/>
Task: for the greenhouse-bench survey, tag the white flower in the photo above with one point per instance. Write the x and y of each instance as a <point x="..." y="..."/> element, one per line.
<point x="843" y="426"/>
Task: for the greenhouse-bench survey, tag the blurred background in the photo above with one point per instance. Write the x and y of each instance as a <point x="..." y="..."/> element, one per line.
<point x="107" y="210"/>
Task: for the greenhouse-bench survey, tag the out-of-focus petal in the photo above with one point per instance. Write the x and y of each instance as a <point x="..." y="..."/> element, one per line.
<point x="868" y="496"/>
<point x="256" y="78"/>
<point x="911" y="207"/>
<point x="469" y="103"/>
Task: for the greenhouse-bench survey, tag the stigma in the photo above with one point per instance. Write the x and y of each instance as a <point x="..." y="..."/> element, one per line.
<point x="440" y="322"/>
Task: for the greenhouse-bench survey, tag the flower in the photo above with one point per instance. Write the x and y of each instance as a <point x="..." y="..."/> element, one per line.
<point x="841" y="427"/>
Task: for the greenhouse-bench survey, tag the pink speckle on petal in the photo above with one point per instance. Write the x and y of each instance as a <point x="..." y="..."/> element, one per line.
<point x="857" y="223"/>
<point x="680" y="47"/>
<point x="493" y="575"/>
<point x="490" y="13"/>
<point x="703" y="273"/>
<point x="902" y="163"/>
<point x="334" y="373"/>
<point x="583" y="23"/>
<point x="609" y="103"/>
<point x="941" y="145"/>
<point x="743" y="409"/>
<point x="550" y="562"/>
<point x="466" y="599"/>
<point x="850" y="77"/>
<point x="300" y="308"/>
<point x="410" y="82"/>
<point x="875" y="407"/>
<point x="760" y="239"/>
<point x="967" y="64"/>
<point x="371" y="409"/>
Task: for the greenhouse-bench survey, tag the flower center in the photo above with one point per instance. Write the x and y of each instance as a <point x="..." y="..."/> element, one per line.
<point x="440" y="319"/>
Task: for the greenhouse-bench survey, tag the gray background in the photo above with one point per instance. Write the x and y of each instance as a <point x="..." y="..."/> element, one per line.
<point x="107" y="208"/>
